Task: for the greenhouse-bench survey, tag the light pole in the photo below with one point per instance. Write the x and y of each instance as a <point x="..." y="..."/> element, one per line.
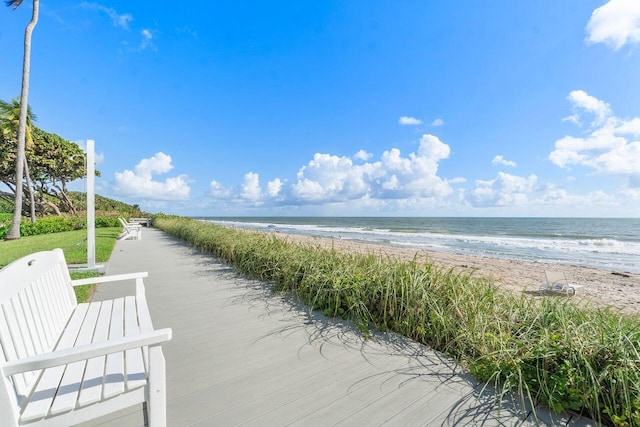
<point x="89" y="187"/>
<point x="91" y="205"/>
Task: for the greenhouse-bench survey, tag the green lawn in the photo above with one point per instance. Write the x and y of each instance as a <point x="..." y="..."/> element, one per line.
<point x="73" y="244"/>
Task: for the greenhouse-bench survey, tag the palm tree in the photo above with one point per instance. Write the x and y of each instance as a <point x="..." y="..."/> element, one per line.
<point x="14" y="228"/>
<point x="9" y="124"/>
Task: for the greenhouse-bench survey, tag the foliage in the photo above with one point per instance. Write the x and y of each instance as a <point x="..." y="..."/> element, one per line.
<point x="106" y="205"/>
<point x="5" y="207"/>
<point x="56" y="224"/>
<point x="548" y="350"/>
<point x="54" y="162"/>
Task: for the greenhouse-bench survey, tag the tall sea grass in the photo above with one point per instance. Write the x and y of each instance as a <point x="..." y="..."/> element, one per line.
<point x="549" y="350"/>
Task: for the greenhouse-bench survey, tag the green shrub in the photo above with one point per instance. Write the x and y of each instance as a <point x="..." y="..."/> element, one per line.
<point x="107" y="222"/>
<point x="50" y="225"/>
<point x="56" y="224"/>
<point x="549" y="350"/>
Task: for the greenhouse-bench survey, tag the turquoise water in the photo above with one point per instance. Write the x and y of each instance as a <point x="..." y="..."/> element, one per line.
<point x="612" y="244"/>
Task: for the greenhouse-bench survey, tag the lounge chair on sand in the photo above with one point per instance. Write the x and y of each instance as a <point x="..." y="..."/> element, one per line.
<point x="557" y="282"/>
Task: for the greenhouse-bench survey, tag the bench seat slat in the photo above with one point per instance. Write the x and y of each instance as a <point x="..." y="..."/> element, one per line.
<point x="91" y="391"/>
<point x="114" y="368"/>
<point x="45" y="390"/>
<point x="135" y="372"/>
<point x="69" y="387"/>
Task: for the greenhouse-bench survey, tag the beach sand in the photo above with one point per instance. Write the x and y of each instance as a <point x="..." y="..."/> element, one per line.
<point x="617" y="290"/>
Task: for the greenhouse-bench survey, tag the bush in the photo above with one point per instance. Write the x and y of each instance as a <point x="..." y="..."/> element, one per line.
<point x="55" y="224"/>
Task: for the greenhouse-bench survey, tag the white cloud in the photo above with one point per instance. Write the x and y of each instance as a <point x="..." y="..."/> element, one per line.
<point x="274" y="187"/>
<point x="457" y="180"/>
<point x="147" y="40"/>
<point x="332" y="178"/>
<point x="139" y="183"/>
<point x="615" y="24"/>
<point x="503" y="191"/>
<point x="582" y="102"/>
<point x="406" y="120"/>
<point x="217" y="190"/>
<point x="119" y="19"/>
<point x="362" y="155"/>
<point x="500" y="160"/>
<point x="329" y="179"/>
<point x="250" y="189"/>
<point x="554" y="196"/>
<point x="437" y="122"/>
<point x="607" y="148"/>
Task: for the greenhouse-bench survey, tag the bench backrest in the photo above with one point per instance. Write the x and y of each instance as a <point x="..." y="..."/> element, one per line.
<point x="36" y="300"/>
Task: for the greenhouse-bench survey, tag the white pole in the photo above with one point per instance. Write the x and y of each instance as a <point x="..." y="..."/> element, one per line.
<point x="91" y="205"/>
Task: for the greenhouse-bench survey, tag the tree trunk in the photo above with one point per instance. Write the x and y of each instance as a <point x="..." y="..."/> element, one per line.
<point x="14" y="229"/>
<point x="32" y="201"/>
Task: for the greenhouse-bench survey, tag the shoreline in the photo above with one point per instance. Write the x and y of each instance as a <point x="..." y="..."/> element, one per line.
<point x="604" y="288"/>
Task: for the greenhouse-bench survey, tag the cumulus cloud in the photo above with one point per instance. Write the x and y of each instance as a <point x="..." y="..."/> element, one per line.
<point x="406" y="120"/>
<point x="582" y="102"/>
<point x="554" y="196"/>
<point x="615" y="24"/>
<point x="274" y="187"/>
<point x="504" y="190"/>
<point x="362" y="155"/>
<point x="139" y="183"/>
<point x="500" y="160"/>
<point x="328" y="179"/>
<point x="608" y="148"/>
<point x="118" y="19"/>
<point x="437" y="122"/>
<point x="217" y="190"/>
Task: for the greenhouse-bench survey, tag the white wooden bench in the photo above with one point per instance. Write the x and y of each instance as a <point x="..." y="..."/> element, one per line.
<point x="130" y="230"/>
<point x="63" y="363"/>
<point x="145" y="222"/>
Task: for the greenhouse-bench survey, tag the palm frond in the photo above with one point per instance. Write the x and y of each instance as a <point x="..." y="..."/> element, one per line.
<point x="14" y="4"/>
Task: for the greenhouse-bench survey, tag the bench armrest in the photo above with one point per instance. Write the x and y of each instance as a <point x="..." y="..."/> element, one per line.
<point x="84" y="352"/>
<point x="105" y="279"/>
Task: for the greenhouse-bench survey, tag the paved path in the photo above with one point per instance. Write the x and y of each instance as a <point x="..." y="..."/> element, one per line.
<point x="241" y="355"/>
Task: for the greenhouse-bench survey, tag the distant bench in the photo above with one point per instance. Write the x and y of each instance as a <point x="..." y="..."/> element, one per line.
<point x="129" y="230"/>
<point x="142" y="221"/>
<point x="63" y="363"/>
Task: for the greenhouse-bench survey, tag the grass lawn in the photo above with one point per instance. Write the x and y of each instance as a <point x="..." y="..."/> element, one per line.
<point x="74" y="245"/>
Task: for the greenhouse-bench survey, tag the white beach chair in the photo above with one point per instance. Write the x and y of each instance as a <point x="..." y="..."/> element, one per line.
<point x="133" y="231"/>
<point x="557" y="282"/>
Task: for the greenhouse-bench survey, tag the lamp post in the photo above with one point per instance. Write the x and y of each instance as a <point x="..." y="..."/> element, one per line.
<point x="89" y="188"/>
<point x="91" y="205"/>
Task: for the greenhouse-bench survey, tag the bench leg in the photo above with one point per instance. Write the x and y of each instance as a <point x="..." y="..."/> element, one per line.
<point x="157" y="403"/>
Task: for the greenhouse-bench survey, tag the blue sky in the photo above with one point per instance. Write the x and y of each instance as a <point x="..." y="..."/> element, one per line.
<point x="403" y="107"/>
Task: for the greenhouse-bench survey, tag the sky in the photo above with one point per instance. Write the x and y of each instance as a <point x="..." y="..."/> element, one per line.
<point x="335" y="108"/>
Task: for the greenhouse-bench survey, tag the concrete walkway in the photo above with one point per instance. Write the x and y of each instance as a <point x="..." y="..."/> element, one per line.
<point x="241" y="355"/>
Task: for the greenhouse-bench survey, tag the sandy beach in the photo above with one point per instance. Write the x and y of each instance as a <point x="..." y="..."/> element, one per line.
<point x="618" y="290"/>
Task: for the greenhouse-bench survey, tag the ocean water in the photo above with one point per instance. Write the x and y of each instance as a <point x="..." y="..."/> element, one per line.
<point x="611" y="244"/>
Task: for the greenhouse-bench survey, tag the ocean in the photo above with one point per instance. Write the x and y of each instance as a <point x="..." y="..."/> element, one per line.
<point x="610" y="244"/>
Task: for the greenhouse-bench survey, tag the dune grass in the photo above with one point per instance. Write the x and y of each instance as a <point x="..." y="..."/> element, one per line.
<point x="548" y="350"/>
